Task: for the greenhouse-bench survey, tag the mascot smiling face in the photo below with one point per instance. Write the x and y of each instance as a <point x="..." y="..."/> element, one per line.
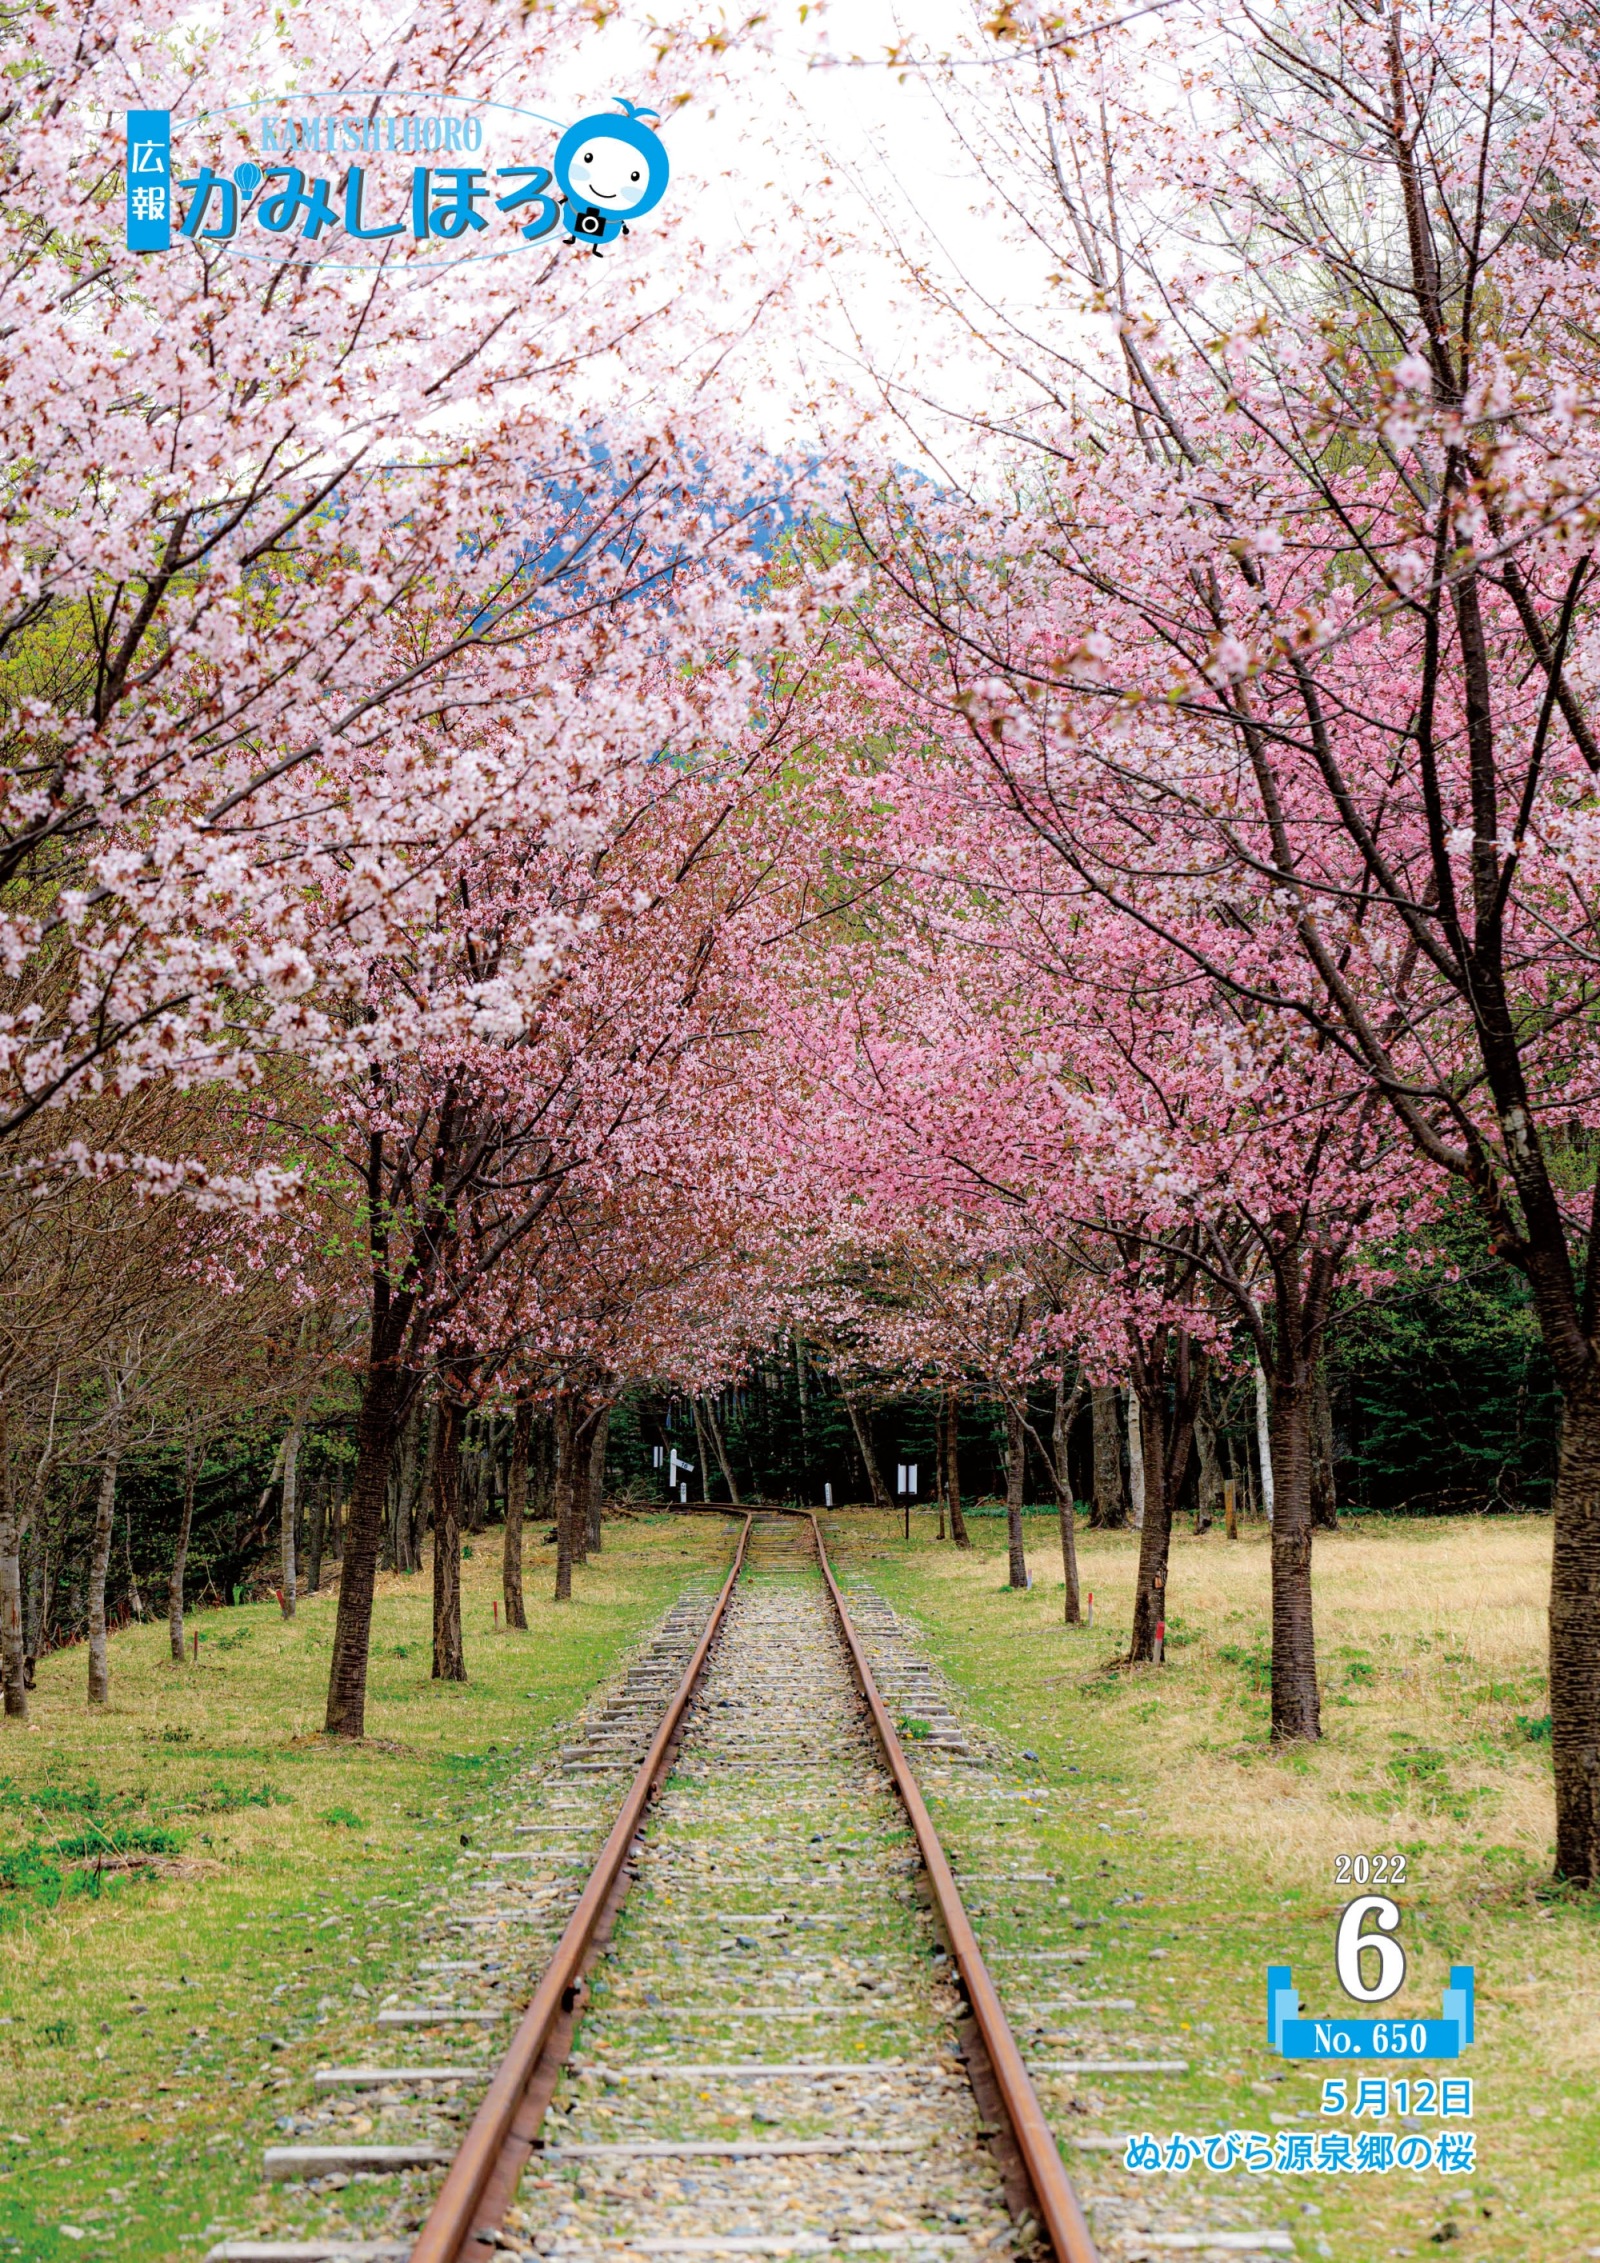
<point x="609" y="171"/>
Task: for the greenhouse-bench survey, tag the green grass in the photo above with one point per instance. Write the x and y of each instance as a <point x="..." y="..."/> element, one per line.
<point x="184" y="1875"/>
<point x="1431" y="1652"/>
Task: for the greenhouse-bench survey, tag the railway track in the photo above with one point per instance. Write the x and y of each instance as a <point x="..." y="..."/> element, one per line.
<point x="766" y="2027"/>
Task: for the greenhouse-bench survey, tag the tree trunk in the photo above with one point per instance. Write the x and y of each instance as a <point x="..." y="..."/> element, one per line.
<point x="1295" y="1710"/>
<point x="542" y="1466"/>
<point x="449" y="1662"/>
<point x="376" y="1427"/>
<point x="36" y="1568"/>
<point x="1147" y="1425"/>
<point x="13" y="1669"/>
<point x="417" y="1496"/>
<point x="1324" y="1498"/>
<point x="1136" y="1493"/>
<point x="516" y="1508"/>
<point x="719" y="1445"/>
<point x="952" y="1467"/>
<point x="402" y="1480"/>
<point x="474" y="1475"/>
<point x="179" y="1553"/>
<point x="1208" y="1492"/>
<point x="597" y="1475"/>
<point x="939" y="1457"/>
<point x="869" y="1460"/>
<point x="1016" y="1460"/>
<point x="405" y="1473"/>
<point x="135" y="1599"/>
<point x="703" y="1448"/>
<point x="1109" y="1511"/>
<point x="562" y="1491"/>
<point x="1169" y="1377"/>
<point x="1575" y="1635"/>
<point x="1060" y="1439"/>
<point x="99" y="1565"/>
<point x="288" y="1512"/>
<point x="578" y="1508"/>
<point x="805" y="1417"/>
<point x="317" y="1538"/>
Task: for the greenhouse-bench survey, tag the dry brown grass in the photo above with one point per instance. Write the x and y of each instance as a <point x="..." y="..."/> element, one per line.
<point x="1431" y="1651"/>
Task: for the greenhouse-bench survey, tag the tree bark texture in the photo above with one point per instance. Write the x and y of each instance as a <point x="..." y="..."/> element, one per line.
<point x="1324" y="1497"/>
<point x="562" y="1490"/>
<point x="1063" y="1415"/>
<point x="376" y="1427"/>
<point x="1208" y="1492"/>
<point x="952" y="1466"/>
<point x="516" y="1509"/>
<point x="1148" y="1422"/>
<point x="582" y="1434"/>
<point x="803" y="1394"/>
<point x="289" y="1509"/>
<point x="1296" y="1713"/>
<point x="317" y="1537"/>
<point x="1135" y="1461"/>
<point x="720" y="1446"/>
<point x="1169" y="1376"/>
<point x="1575" y="1637"/>
<point x="702" y="1441"/>
<point x="597" y="1475"/>
<point x="13" y="1669"/>
<point x="180" y="1554"/>
<point x="36" y="1566"/>
<point x="408" y="1475"/>
<point x="99" y="1564"/>
<point x="1109" y="1511"/>
<point x="940" y="1457"/>
<point x="1016" y="1462"/>
<point x="449" y="1660"/>
<point x="869" y="1460"/>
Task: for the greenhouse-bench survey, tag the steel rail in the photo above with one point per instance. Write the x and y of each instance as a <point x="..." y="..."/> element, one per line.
<point x="1055" y="2203"/>
<point x="453" y="2220"/>
<point x="481" y="2181"/>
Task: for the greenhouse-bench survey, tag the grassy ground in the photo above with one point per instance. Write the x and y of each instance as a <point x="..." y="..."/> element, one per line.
<point x="187" y="1878"/>
<point x="1193" y="1843"/>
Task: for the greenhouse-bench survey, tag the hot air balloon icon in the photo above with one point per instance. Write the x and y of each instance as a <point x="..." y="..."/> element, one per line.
<point x="247" y="179"/>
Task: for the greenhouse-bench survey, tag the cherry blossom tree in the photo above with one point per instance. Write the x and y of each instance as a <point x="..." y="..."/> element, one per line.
<point x="1275" y="639"/>
<point x="314" y="568"/>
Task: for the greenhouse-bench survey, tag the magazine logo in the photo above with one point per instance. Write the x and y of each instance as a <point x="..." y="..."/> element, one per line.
<point x="1367" y="1928"/>
<point x="484" y="200"/>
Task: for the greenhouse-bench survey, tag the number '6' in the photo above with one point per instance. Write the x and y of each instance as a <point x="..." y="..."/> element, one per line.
<point x="1352" y="1940"/>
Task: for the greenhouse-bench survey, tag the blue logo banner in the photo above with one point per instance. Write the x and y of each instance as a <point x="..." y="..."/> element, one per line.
<point x="149" y="210"/>
<point x="1298" y="2038"/>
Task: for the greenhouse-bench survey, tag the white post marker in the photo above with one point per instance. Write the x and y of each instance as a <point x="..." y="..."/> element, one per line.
<point x="827" y="1496"/>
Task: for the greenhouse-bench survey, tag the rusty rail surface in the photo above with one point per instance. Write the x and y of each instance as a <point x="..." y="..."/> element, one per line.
<point x="465" y="2219"/>
<point x="482" y="2172"/>
<point x="1055" y="2204"/>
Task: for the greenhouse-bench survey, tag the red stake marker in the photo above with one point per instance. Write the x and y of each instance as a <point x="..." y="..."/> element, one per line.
<point x="1161" y="1642"/>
